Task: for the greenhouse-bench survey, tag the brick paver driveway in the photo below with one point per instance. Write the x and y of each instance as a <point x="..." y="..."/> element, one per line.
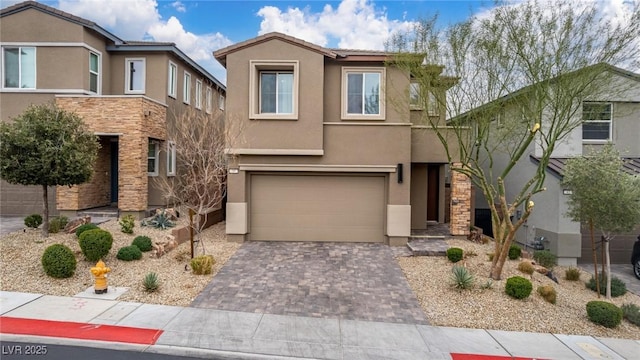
<point x="328" y="280"/>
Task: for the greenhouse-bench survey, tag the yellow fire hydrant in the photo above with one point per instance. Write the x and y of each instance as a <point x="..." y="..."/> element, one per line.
<point x="99" y="271"/>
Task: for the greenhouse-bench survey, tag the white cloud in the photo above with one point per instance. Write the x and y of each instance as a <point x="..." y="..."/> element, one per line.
<point x="355" y="24"/>
<point x="179" y="6"/>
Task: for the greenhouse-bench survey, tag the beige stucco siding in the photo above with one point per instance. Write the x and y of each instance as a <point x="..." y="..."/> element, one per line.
<point x="35" y="26"/>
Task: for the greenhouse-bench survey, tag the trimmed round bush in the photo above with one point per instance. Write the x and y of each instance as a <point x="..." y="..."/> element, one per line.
<point x="95" y="244"/>
<point x="129" y="253"/>
<point x="58" y="261"/>
<point x="84" y="227"/>
<point x="33" y="221"/>
<point x="143" y="243"/>
<point x="518" y="287"/>
<point x="514" y="252"/>
<point x="618" y="287"/>
<point x="526" y="267"/>
<point x="548" y="293"/>
<point x="604" y="313"/>
<point x="454" y="254"/>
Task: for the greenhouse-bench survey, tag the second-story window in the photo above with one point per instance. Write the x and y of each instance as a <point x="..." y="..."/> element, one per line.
<point x="172" y="86"/>
<point x="273" y="90"/>
<point x="186" y="88"/>
<point x="134" y="76"/>
<point x="209" y="100"/>
<point x="94" y="72"/>
<point x="596" y="125"/>
<point x="221" y="102"/>
<point x="198" y="94"/>
<point x="363" y="93"/>
<point x="19" y="65"/>
<point x="276" y="92"/>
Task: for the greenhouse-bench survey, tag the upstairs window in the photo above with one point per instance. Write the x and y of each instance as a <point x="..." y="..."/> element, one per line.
<point x="94" y="72"/>
<point x="209" y="100"/>
<point x="19" y="65"/>
<point x="198" y="94"/>
<point x="416" y="100"/>
<point x="596" y="125"/>
<point x="172" y="86"/>
<point x="186" y="89"/>
<point x="273" y="90"/>
<point x="221" y="102"/>
<point x="363" y="93"/>
<point x="134" y="76"/>
<point x="276" y="92"/>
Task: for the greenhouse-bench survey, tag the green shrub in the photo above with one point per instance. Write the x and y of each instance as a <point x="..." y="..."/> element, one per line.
<point x="618" y="287"/>
<point x="604" y="313"/>
<point x="33" y="221"/>
<point x="572" y="274"/>
<point x="57" y="223"/>
<point x="526" y="267"/>
<point x="84" y="227"/>
<point x="545" y="258"/>
<point x="127" y="223"/>
<point x="631" y="312"/>
<point x="129" y="253"/>
<point x="462" y="278"/>
<point x="202" y="265"/>
<point x="548" y="292"/>
<point x="95" y="244"/>
<point x="150" y="282"/>
<point x="454" y="254"/>
<point x="58" y="261"/>
<point x="143" y="243"/>
<point x="514" y="252"/>
<point x="518" y="287"/>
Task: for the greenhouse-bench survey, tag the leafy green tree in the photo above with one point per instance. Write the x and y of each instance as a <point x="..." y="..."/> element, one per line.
<point x="603" y="196"/>
<point x="522" y="73"/>
<point x="46" y="146"/>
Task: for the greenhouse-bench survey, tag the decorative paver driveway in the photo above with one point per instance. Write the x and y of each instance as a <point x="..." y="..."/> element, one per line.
<point x="327" y="280"/>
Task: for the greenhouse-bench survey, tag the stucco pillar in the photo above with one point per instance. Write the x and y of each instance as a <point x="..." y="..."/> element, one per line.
<point x="460" y="202"/>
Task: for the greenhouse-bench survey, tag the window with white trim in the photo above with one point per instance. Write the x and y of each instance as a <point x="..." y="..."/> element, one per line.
<point x="273" y="90"/>
<point x="363" y="93"/>
<point x="171" y="158"/>
<point x="19" y="67"/>
<point x="186" y="88"/>
<point x="94" y="72"/>
<point x="209" y="100"/>
<point x="172" y="86"/>
<point x="152" y="158"/>
<point x="416" y="101"/>
<point x="135" y="76"/>
<point x="198" y="94"/>
<point x="596" y="121"/>
<point x="221" y="102"/>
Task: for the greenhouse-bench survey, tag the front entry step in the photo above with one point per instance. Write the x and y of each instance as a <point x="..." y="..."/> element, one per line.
<point x="427" y="245"/>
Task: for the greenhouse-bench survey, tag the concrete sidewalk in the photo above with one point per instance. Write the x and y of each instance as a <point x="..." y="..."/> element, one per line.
<point x="220" y="334"/>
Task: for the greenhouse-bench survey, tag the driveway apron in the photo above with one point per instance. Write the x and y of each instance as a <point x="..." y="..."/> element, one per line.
<point x="325" y="280"/>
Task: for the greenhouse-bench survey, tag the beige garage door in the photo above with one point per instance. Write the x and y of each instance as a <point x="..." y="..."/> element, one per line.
<point x="317" y="208"/>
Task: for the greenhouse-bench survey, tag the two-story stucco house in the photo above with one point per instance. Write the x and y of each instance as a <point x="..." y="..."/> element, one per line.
<point x="126" y="92"/>
<point x="328" y="150"/>
<point x="610" y="114"/>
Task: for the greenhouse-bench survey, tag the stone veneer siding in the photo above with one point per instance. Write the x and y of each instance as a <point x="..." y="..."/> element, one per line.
<point x="460" y="202"/>
<point x="134" y="119"/>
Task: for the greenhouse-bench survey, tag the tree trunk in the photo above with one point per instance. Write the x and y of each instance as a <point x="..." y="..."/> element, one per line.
<point x="595" y="257"/>
<point x="608" y="262"/>
<point x="501" y="256"/>
<point x="45" y="212"/>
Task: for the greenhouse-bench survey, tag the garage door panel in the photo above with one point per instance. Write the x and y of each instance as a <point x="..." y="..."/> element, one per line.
<point x="317" y="208"/>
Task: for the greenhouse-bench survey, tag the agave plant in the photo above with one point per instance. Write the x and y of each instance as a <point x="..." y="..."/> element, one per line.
<point x="159" y="221"/>
<point x="462" y="278"/>
<point x="150" y="282"/>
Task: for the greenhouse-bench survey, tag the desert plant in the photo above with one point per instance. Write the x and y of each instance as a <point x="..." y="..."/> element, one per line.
<point x="618" y="287"/>
<point x="514" y="252"/>
<point x="202" y="265"/>
<point x="159" y="221"/>
<point x="462" y="278"/>
<point x="57" y="223"/>
<point x="143" y="243"/>
<point x="95" y="244"/>
<point x="548" y="292"/>
<point x="572" y="274"/>
<point x="604" y="313"/>
<point x="127" y="223"/>
<point x="129" y="253"/>
<point x="518" y="287"/>
<point x="631" y="312"/>
<point x="150" y="282"/>
<point x="84" y="227"/>
<point x="33" y="221"/>
<point x="545" y="258"/>
<point x="487" y="285"/>
<point x="490" y="256"/>
<point x="58" y="261"/>
<point x="526" y="267"/>
<point x="455" y="254"/>
<point x="470" y="253"/>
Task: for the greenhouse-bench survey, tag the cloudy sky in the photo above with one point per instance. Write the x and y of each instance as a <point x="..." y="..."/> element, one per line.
<point x="200" y="27"/>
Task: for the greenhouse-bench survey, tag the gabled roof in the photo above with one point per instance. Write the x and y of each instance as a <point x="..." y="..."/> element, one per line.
<point x="631" y="165"/>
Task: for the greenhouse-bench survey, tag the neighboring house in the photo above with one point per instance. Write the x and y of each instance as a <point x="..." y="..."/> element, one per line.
<point x="126" y="92"/>
<point x="612" y="115"/>
<point x="328" y="150"/>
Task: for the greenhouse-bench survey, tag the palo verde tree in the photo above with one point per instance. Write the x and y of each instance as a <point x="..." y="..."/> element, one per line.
<point x="603" y="196"/>
<point x="523" y="71"/>
<point x="46" y="146"/>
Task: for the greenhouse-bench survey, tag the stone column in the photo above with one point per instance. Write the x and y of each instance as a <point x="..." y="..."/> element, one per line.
<point x="460" y="202"/>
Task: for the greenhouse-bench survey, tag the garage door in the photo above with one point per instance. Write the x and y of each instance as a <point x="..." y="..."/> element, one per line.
<point x="317" y="208"/>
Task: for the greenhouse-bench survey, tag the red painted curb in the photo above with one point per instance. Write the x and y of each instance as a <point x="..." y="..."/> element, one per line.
<point x="74" y="330"/>
<point x="457" y="356"/>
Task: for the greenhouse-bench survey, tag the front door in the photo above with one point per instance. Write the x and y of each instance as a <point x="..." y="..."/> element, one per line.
<point x="433" y="192"/>
<point x="114" y="172"/>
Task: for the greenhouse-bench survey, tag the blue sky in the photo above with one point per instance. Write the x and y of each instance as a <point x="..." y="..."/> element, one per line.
<point x="199" y="27"/>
